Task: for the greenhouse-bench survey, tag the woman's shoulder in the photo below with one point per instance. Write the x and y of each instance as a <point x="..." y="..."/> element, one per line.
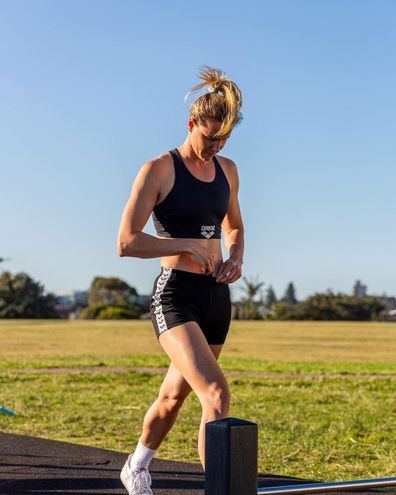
<point x="159" y="166"/>
<point x="229" y="168"/>
<point x="226" y="163"/>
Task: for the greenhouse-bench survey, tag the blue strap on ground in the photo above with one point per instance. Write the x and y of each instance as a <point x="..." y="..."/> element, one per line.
<point x="7" y="411"/>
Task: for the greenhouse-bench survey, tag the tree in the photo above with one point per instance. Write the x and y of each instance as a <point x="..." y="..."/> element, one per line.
<point x="330" y="306"/>
<point x="271" y="297"/>
<point x="22" y="297"/>
<point x="111" y="291"/>
<point x="101" y="312"/>
<point x="290" y="295"/>
<point x="111" y="298"/>
<point x="281" y="311"/>
<point x="251" y="289"/>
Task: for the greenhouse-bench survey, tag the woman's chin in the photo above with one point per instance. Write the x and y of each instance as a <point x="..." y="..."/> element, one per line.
<point x="207" y="156"/>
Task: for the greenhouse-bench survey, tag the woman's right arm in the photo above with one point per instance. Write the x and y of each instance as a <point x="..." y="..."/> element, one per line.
<point x="133" y="242"/>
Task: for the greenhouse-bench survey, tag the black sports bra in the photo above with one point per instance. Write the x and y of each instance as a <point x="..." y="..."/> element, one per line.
<point x="193" y="208"/>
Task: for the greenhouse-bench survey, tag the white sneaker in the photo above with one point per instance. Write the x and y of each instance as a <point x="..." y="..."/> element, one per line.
<point x="136" y="480"/>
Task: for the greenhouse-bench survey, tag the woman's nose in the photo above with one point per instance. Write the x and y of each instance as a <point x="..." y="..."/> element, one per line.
<point x="217" y="147"/>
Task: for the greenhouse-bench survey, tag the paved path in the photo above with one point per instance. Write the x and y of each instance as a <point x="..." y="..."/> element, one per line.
<point x="30" y="465"/>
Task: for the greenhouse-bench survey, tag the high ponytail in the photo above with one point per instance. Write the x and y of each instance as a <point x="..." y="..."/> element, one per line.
<point x="223" y="101"/>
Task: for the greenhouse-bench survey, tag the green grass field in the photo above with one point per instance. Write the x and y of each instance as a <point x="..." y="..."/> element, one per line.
<point x="327" y="409"/>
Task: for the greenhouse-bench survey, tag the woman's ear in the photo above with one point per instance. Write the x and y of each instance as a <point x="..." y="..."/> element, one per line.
<point x="191" y="124"/>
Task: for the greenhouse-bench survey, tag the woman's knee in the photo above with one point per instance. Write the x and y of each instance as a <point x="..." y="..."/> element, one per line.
<point x="170" y="403"/>
<point x="217" y="397"/>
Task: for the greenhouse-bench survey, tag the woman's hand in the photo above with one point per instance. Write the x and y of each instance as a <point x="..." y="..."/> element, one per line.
<point x="202" y="256"/>
<point x="229" y="271"/>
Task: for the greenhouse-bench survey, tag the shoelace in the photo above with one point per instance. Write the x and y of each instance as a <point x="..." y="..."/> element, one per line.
<point x="141" y="481"/>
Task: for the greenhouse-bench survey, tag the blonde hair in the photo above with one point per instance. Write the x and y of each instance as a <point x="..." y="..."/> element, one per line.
<point x="222" y="103"/>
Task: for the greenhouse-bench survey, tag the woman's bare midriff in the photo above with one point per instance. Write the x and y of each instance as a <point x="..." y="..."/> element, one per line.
<point x="186" y="263"/>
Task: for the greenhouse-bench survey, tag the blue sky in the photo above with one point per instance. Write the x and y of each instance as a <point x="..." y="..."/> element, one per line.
<point x="91" y="90"/>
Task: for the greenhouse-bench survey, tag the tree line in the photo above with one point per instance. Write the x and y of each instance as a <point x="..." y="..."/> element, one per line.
<point x="113" y="298"/>
<point x="319" y="306"/>
<point x="107" y="298"/>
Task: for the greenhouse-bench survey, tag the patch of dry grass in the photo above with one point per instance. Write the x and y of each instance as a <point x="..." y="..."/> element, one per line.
<point x="270" y="341"/>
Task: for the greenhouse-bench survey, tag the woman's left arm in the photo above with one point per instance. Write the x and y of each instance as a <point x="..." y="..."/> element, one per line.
<point x="232" y="227"/>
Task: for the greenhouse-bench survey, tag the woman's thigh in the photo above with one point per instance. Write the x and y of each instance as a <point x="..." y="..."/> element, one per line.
<point x="193" y="361"/>
<point x="175" y="386"/>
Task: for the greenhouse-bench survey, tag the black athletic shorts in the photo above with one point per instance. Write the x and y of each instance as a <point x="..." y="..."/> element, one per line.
<point x="179" y="296"/>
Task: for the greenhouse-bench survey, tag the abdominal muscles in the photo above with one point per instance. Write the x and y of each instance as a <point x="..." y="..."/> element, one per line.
<point x="186" y="263"/>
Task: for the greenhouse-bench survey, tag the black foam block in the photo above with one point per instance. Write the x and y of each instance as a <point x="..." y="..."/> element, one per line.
<point x="231" y="450"/>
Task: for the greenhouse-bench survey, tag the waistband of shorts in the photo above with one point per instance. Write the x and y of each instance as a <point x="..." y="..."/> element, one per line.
<point x="189" y="276"/>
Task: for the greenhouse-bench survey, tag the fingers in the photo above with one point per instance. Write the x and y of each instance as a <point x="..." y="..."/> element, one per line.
<point x="222" y="273"/>
<point x="227" y="278"/>
<point x="203" y="257"/>
<point x="207" y="264"/>
<point x="228" y="273"/>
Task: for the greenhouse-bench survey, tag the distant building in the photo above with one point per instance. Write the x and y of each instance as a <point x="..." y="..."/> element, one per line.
<point x="390" y="315"/>
<point x="238" y="310"/>
<point x="143" y="299"/>
<point x="389" y="302"/>
<point x="69" y="305"/>
<point x="359" y="290"/>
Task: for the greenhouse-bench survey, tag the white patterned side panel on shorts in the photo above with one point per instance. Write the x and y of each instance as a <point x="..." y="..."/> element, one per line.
<point x="156" y="299"/>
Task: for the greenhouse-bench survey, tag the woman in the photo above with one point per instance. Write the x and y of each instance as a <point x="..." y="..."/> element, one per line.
<point x="192" y="195"/>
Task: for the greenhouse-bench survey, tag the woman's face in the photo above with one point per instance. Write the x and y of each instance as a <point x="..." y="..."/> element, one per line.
<point x="205" y="146"/>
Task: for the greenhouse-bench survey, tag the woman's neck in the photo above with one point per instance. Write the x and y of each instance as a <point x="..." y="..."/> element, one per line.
<point x="188" y="154"/>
